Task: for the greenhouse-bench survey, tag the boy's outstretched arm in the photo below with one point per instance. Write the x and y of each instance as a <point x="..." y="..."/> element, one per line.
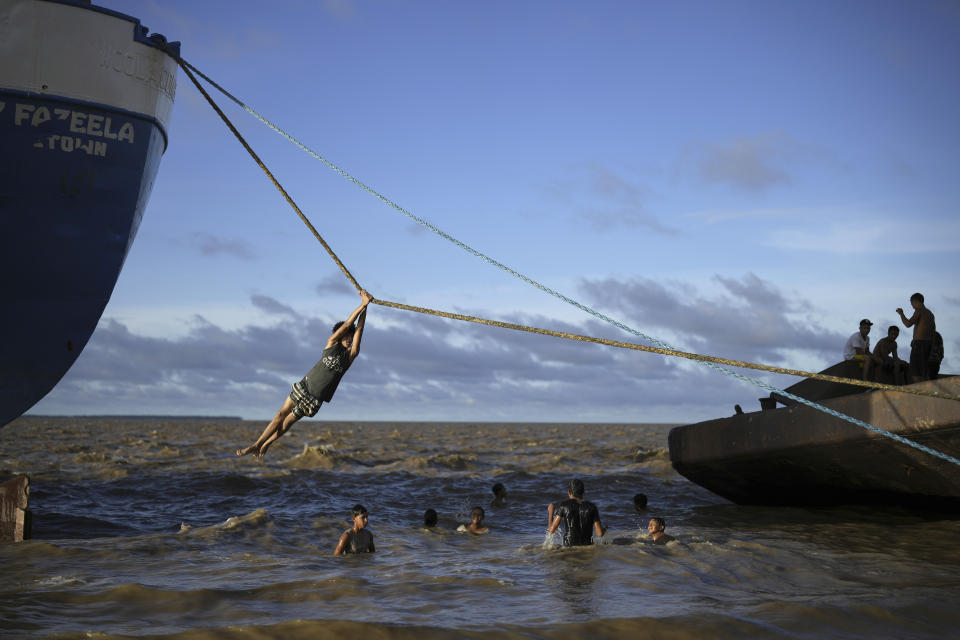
<point x="358" y="335"/>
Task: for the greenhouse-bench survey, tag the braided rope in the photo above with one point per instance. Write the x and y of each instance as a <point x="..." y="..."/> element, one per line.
<point x="691" y="356"/>
<point x="664" y="348"/>
<point x="306" y="221"/>
<point x="661" y="348"/>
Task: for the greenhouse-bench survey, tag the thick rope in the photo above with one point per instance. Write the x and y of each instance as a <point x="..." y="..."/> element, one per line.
<point x="306" y="221"/>
<point x="663" y="347"/>
<point x="691" y="356"/>
<point x="666" y="352"/>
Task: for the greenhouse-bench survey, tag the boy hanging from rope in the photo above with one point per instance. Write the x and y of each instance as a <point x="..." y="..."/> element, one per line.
<point x="321" y="381"/>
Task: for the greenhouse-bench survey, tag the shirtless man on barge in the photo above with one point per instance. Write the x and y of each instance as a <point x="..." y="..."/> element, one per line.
<point x="924" y="326"/>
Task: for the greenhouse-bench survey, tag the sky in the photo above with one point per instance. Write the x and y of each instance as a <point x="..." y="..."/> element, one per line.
<point x="740" y="179"/>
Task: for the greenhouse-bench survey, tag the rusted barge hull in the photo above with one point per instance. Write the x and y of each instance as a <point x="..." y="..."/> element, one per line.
<point x="802" y="456"/>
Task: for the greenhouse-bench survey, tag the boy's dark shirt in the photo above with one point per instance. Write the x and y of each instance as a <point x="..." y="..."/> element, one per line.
<point x="578" y="519"/>
<point x="323" y="378"/>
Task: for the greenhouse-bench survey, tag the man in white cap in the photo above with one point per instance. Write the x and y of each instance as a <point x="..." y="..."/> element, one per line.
<point x="858" y="347"/>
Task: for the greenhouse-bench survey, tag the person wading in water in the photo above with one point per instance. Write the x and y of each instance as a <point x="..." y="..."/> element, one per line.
<point x="580" y="517"/>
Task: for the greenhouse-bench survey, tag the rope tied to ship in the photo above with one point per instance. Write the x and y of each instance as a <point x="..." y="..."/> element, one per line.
<point x="660" y="348"/>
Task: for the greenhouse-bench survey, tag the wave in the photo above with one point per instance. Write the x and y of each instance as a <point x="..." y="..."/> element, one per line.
<point x="253" y="520"/>
<point x="652" y="456"/>
<point x="229" y="484"/>
<point x="58" y="581"/>
<point x="323" y="456"/>
<point x="51" y="525"/>
<point x="679" y="628"/>
<point x="436" y="462"/>
<point x="327" y="458"/>
<point x="654" y="460"/>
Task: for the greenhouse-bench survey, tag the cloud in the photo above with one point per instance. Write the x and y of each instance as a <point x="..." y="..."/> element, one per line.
<point x="900" y="167"/>
<point x="415" y="229"/>
<point x="866" y="233"/>
<point x="210" y="370"/>
<point x="335" y="283"/>
<point x="211" y="245"/>
<point x="272" y="306"/>
<point x="715" y="216"/>
<point x="608" y="201"/>
<point x="412" y="366"/>
<point x="754" y="163"/>
<point x="417" y="367"/>
<point x="748" y="318"/>
<point x="340" y="9"/>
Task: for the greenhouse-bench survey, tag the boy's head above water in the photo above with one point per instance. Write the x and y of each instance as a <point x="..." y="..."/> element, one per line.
<point x="575" y="488"/>
<point x="359" y="514"/>
<point x="640" y="502"/>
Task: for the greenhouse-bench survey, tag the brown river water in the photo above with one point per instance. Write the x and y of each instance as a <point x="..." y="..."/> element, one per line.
<point x="153" y="527"/>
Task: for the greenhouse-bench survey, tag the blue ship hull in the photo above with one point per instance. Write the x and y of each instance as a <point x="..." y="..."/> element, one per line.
<point x="75" y="177"/>
<point x="71" y="206"/>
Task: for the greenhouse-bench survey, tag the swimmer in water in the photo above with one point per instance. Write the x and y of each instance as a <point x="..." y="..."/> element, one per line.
<point x="580" y="517"/>
<point x="499" y="495"/>
<point x="321" y="381"/>
<point x="656" y="528"/>
<point x="640" y="503"/>
<point x="476" y="523"/>
<point x="429" y="518"/>
<point x="357" y="539"/>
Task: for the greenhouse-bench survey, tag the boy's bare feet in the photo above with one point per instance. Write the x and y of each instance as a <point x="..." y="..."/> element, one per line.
<point x="248" y="450"/>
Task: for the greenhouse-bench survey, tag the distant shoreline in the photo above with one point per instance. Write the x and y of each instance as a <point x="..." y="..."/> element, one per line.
<point x="129" y="417"/>
<point x="350" y="422"/>
<point x="354" y="422"/>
